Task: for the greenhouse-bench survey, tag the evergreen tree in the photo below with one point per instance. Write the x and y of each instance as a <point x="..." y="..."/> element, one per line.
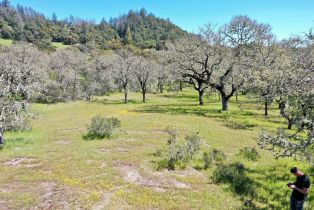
<point x="5" y="3"/>
<point x="127" y="40"/>
<point x="54" y="17"/>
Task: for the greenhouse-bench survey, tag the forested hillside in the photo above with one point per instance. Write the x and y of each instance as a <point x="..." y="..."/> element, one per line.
<point x="138" y="28"/>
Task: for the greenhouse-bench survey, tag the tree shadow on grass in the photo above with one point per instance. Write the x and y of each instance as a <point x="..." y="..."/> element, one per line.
<point x="116" y="102"/>
<point x="191" y="98"/>
<point x="191" y="109"/>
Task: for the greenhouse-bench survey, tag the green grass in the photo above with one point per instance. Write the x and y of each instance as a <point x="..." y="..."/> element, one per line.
<point x="59" y="45"/>
<point x="69" y="171"/>
<point x="9" y="42"/>
<point x="6" y="42"/>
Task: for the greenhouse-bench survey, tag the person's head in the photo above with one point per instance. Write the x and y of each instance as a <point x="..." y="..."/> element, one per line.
<point x="296" y="172"/>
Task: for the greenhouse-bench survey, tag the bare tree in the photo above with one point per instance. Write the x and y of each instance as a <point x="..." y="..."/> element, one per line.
<point x="99" y="75"/>
<point x="269" y="71"/>
<point x="297" y="104"/>
<point x="66" y="66"/>
<point x="162" y="76"/>
<point x="123" y="70"/>
<point x="297" y="79"/>
<point x="196" y="57"/>
<point x="144" y="73"/>
<point x="237" y="38"/>
<point x="163" y="70"/>
<point x="21" y="73"/>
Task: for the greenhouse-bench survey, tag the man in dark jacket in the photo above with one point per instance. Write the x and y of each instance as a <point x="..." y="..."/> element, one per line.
<point x="300" y="189"/>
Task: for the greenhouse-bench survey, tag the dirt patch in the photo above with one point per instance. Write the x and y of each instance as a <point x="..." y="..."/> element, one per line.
<point x="23" y="161"/>
<point x="57" y="197"/>
<point x="155" y="131"/>
<point x="48" y="194"/>
<point x="4" y="205"/>
<point x="64" y="142"/>
<point x="103" y="165"/>
<point x="110" y="150"/>
<point x="105" y="199"/>
<point x="155" y="180"/>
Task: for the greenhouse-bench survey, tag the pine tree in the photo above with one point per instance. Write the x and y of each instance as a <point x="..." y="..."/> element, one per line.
<point x="128" y="36"/>
<point x="5" y="3"/>
<point x="54" y="17"/>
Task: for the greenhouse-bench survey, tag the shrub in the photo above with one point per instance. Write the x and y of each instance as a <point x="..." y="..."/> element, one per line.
<point x="215" y="156"/>
<point x="249" y="153"/>
<point x="17" y="123"/>
<point x="52" y="93"/>
<point x="207" y="160"/>
<point x="191" y="146"/>
<point x="234" y="175"/>
<point x="178" y="155"/>
<point x="102" y="127"/>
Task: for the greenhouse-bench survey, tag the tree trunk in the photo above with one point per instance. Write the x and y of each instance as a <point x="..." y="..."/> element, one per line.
<point x="200" y="97"/>
<point x="290" y="124"/>
<point x="144" y="96"/>
<point x="1" y="135"/>
<point x="161" y="88"/>
<point x="181" y="86"/>
<point x="224" y="102"/>
<point x="125" y="96"/>
<point x="266" y="108"/>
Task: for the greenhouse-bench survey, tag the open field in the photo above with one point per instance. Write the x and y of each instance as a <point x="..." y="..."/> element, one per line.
<point x="59" y="45"/>
<point x="52" y="167"/>
<point x="6" y="42"/>
<point x="9" y="42"/>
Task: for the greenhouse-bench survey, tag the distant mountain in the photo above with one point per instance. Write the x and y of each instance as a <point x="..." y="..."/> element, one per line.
<point x="139" y="28"/>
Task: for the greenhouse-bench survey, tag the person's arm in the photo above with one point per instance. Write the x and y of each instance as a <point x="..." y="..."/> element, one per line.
<point x="304" y="190"/>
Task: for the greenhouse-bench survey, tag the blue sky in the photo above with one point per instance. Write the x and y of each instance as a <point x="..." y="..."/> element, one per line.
<point x="287" y="17"/>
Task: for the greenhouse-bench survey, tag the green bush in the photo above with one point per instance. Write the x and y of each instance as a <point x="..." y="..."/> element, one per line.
<point x="178" y="155"/>
<point x="215" y="156"/>
<point x="234" y="175"/>
<point x="249" y="153"/>
<point x="102" y="127"/>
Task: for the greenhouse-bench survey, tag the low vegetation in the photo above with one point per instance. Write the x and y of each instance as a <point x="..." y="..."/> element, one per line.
<point x="178" y="155"/>
<point x="102" y="127"/>
<point x="215" y="156"/>
<point x="249" y="153"/>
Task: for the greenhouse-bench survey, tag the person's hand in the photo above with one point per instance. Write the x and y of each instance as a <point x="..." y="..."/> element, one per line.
<point x="292" y="186"/>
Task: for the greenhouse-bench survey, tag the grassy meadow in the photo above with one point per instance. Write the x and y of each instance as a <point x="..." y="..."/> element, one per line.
<point x="6" y="42"/>
<point x="9" y="42"/>
<point x="53" y="167"/>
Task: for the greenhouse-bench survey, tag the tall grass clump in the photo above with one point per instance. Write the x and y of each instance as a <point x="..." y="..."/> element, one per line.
<point x="249" y="153"/>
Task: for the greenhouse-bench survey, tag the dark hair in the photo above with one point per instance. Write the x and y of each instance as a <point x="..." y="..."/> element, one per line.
<point x="294" y="170"/>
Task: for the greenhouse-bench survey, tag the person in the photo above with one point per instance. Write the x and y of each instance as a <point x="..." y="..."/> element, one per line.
<point x="300" y="189"/>
<point x="1" y="136"/>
